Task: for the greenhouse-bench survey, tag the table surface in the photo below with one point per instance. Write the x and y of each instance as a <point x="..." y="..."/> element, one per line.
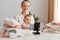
<point x="29" y="36"/>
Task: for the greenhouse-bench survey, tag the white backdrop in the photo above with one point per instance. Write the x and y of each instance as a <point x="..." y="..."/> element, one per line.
<point x="10" y="8"/>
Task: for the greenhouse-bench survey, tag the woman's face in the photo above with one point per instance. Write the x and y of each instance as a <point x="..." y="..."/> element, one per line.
<point x="25" y="6"/>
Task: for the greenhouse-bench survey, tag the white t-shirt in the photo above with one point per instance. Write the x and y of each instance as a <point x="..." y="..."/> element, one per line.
<point x="20" y="18"/>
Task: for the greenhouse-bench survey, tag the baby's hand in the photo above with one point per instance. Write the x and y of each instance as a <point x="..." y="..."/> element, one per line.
<point x="18" y="26"/>
<point x="25" y="27"/>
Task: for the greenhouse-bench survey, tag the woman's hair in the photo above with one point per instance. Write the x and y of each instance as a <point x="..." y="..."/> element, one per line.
<point x="24" y="1"/>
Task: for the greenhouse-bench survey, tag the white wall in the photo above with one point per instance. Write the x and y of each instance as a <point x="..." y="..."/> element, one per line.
<point x="10" y="8"/>
<point x="40" y="9"/>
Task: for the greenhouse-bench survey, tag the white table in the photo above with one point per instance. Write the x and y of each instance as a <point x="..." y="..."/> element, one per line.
<point x="29" y="36"/>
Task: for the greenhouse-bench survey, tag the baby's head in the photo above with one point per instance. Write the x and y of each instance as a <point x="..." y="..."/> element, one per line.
<point x="27" y="19"/>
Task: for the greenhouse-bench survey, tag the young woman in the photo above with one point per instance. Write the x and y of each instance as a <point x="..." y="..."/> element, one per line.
<point x="25" y="5"/>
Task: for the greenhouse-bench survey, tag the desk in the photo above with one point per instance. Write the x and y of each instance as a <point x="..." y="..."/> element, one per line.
<point x="30" y="36"/>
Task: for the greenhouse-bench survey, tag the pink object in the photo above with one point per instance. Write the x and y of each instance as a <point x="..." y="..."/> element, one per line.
<point x="56" y="22"/>
<point x="12" y="23"/>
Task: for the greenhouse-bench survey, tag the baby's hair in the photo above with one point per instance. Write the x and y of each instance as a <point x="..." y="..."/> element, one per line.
<point x="24" y="1"/>
<point x="28" y="15"/>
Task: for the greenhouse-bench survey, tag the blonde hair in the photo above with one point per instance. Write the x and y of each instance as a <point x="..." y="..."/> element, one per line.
<point x="28" y="15"/>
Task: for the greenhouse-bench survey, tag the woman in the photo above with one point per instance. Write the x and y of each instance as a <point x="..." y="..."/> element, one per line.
<point x="25" y="5"/>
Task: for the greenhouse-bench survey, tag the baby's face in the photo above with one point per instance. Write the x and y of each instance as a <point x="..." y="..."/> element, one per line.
<point x="27" y="20"/>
